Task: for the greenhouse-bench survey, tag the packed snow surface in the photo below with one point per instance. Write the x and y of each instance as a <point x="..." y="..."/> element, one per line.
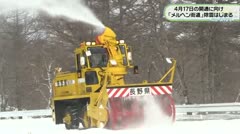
<point x="47" y="126"/>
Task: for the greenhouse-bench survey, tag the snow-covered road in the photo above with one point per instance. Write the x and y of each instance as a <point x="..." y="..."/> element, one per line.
<point x="46" y="126"/>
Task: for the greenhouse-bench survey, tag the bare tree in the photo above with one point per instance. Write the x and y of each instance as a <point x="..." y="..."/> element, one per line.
<point x="18" y="28"/>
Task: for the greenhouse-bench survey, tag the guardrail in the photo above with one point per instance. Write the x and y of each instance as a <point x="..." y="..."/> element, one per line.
<point x="44" y="113"/>
<point x="225" y="111"/>
<point x="184" y="112"/>
<point x="208" y="108"/>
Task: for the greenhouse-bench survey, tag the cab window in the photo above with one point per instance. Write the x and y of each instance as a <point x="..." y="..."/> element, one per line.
<point x="91" y="78"/>
<point x="123" y="52"/>
<point x="78" y="62"/>
<point x="99" y="57"/>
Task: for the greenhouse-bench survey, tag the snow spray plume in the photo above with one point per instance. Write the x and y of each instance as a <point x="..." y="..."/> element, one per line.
<point x="153" y="114"/>
<point x="72" y="9"/>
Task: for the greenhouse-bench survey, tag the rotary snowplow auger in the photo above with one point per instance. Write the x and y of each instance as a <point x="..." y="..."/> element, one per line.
<point x="127" y="104"/>
<point x="96" y="95"/>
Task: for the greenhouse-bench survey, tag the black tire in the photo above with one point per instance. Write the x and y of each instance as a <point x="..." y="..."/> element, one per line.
<point x="73" y="112"/>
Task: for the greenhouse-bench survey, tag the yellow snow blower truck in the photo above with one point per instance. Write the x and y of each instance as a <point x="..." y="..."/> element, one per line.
<point x="96" y="95"/>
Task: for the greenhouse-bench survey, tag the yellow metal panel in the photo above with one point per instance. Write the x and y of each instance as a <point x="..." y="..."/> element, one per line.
<point x="97" y="113"/>
<point x="70" y="97"/>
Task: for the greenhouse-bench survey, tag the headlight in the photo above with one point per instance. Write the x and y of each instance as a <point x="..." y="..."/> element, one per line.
<point x="121" y="41"/>
<point x="88" y="43"/>
<point x="113" y="62"/>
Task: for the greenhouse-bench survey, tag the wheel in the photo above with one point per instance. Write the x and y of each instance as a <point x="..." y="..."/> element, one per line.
<point x="85" y="120"/>
<point x="71" y="118"/>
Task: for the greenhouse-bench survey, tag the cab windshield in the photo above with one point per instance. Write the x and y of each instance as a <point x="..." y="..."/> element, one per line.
<point x="99" y="57"/>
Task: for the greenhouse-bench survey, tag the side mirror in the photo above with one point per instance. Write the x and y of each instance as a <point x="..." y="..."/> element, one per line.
<point x="129" y="56"/>
<point x="135" y="69"/>
<point x="82" y="61"/>
<point x="88" y="53"/>
<point x="169" y="60"/>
